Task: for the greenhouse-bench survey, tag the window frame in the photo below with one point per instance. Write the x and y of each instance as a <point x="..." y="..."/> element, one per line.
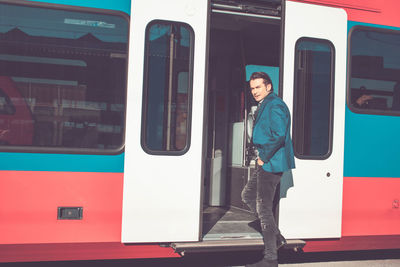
<point x="145" y="90"/>
<point x="351" y="107"/>
<point x="332" y="97"/>
<point x="66" y="150"/>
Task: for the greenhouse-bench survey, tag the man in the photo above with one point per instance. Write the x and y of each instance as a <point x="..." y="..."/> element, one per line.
<point x="271" y="138"/>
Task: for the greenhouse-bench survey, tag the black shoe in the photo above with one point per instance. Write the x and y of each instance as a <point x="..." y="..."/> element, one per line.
<point x="280" y="241"/>
<point x="256" y="225"/>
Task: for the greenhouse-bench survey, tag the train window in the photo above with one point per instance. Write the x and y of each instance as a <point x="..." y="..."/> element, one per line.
<point x="374" y="85"/>
<point x="167" y="88"/>
<point x="65" y="74"/>
<point x="313" y="98"/>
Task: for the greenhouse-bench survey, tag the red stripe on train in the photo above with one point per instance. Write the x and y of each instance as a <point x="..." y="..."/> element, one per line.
<point x="370" y="216"/>
<point x="30" y="230"/>
<point x="81" y="251"/>
<point x="29" y="201"/>
<point x="348" y="243"/>
<point x="368" y="11"/>
<point x="370" y="206"/>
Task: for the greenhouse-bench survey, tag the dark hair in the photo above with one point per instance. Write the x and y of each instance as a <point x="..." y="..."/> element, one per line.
<point x="264" y="76"/>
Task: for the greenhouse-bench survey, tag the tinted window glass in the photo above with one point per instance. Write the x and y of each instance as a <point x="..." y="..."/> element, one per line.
<point x="167" y="87"/>
<point x="312" y="121"/>
<point x="375" y="71"/>
<point x="65" y="73"/>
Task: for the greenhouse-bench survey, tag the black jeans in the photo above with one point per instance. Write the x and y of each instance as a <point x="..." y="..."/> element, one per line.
<point x="259" y="194"/>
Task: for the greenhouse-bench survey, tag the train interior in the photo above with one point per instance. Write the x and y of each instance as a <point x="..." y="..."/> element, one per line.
<point x="239" y="45"/>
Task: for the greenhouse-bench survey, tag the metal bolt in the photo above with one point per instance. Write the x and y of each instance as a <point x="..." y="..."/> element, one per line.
<point x="396" y="204"/>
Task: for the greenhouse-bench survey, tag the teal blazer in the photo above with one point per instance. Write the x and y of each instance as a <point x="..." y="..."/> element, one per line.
<point x="271" y="135"/>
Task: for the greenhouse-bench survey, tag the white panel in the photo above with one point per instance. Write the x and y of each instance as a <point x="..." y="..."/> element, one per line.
<point x="313" y="207"/>
<point x="161" y="200"/>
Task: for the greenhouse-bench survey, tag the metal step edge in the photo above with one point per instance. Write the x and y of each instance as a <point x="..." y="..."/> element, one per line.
<point x="229" y="245"/>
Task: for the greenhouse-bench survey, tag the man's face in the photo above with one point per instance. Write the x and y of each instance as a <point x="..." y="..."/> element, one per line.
<point x="258" y="89"/>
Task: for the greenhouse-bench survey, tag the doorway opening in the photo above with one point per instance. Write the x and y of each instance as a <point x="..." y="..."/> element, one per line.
<point x="239" y="45"/>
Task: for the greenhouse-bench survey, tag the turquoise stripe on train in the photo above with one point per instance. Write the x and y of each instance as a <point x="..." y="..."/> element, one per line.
<point x="61" y="162"/>
<point x="120" y="5"/>
<point x="372" y="142"/>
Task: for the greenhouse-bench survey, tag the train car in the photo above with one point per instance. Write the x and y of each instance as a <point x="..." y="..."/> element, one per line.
<point x="125" y="126"/>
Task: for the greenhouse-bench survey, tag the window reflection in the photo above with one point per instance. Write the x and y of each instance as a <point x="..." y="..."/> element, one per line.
<point x="312" y="121"/>
<point x="167" y="87"/>
<point x="64" y="73"/>
<point x="375" y="71"/>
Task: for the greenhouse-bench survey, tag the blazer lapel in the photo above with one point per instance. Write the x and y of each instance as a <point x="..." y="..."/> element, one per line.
<point x="261" y="108"/>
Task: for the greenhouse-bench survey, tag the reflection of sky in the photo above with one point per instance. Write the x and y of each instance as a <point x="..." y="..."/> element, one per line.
<point x="62" y="24"/>
<point x="273" y="73"/>
<point x="377" y="44"/>
<point x="159" y="30"/>
<point x="313" y="46"/>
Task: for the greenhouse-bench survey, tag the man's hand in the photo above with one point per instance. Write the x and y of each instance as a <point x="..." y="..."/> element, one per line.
<point x="363" y="99"/>
<point x="260" y="162"/>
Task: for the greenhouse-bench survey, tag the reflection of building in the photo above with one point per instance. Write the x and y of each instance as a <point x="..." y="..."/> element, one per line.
<point x="73" y="89"/>
<point x="16" y="122"/>
<point x="57" y="109"/>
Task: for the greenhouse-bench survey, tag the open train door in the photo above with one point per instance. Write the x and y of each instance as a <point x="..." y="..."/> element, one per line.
<point x="314" y="82"/>
<point x="163" y="147"/>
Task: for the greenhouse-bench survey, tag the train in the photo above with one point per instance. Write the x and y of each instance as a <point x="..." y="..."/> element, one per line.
<point x="125" y="125"/>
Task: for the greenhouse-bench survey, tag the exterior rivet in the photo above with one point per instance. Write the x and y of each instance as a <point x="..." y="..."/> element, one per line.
<point x="396" y="204"/>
